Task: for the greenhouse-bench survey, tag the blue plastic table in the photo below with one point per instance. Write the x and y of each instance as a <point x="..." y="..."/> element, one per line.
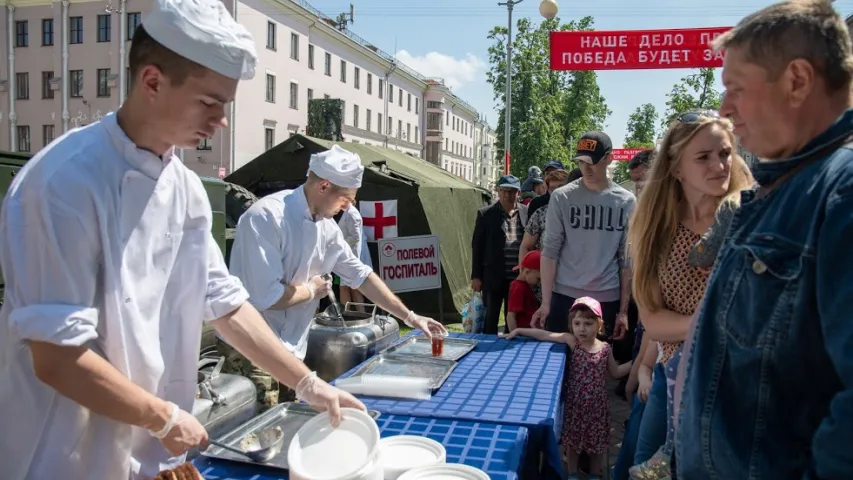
<point x="509" y="382"/>
<point x="495" y="449"/>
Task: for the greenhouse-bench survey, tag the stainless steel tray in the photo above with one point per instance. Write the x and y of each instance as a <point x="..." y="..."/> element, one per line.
<point x="419" y="345"/>
<point x="289" y="416"/>
<point x="436" y="370"/>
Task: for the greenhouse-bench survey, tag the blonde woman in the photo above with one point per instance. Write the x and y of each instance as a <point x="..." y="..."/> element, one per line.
<point x="695" y="175"/>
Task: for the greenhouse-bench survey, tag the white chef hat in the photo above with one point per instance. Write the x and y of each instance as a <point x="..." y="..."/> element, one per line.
<point x="340" y="167"/>
<point x="205" y="32"/>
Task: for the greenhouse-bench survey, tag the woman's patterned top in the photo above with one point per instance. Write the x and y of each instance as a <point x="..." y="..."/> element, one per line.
<point x="682" y="285"/>
<point x="536" y="225"/>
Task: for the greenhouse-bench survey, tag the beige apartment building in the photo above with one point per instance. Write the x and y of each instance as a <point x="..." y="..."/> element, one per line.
<point x="67" y="67"/>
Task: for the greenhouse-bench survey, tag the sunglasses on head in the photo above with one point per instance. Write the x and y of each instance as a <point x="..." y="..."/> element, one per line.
<point x="693" y="116"/>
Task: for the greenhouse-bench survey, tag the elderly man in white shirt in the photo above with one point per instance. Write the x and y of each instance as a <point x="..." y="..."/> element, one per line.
<point x="111" y="271"/>
<point x="286" y="242"/>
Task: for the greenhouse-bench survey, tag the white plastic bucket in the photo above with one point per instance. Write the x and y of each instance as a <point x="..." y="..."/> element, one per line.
<point x="349" y="452"/>
<point x="402" y="453"/>
<point x="449" y="471"/>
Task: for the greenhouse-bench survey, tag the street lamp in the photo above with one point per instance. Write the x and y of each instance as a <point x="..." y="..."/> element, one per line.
<point x="548" y="9"/>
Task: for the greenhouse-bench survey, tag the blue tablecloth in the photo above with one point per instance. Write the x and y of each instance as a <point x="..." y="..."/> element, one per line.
<point x="495" y="449"/>
<point x="509" y="382"/>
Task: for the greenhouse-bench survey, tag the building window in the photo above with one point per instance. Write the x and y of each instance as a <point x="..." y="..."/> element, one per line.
<point x="356" y="78"/>
<point x="46" y="91"/>
<point x="133" y="21"/>
<point x="311" y="56"/>
<point x="355" y="116"/>
<point x="48" y="133"/>
<point x="294" y="95"/>
<point x="390" y="92"/>
<point x="326" y="96"/>
<point x="409" y="103"/>
<point x="310" y="94"/>
<point x="409" y="132"/>
<point x="399" y="128"/>
<point x="205" y="144"/>
<point x="75" y="83"/>
<point x="379" y="123"/>
<point x="294" y="46"/>
<point x="270" y="95"/>
<point x="22" y="33"/>
<point x="22" y="86"/>
<point x="104" y="28"/>
<point x="271" y="35"/>
<point x="23" y="138"/>
<point x="389" y="125"/>
<point x="400" y="94"/>
<point x="269" y="138"/>
<point x="103" y="82"/>
<point x="328" y="64"/>
<point x="370" y="84"/>
<point x="47" y="32"/>
<point x="417" y="106"/>
<point x="417" y="139"/>
<point x="127" y="80"/>
<point x="75" y="30"/>
<point x="367" y="119"/>
<point x="343" y="71"/>
<point x="381" y="88"/>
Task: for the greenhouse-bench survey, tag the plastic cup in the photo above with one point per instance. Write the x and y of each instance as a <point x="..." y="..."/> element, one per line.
<point x="438" y="343"/>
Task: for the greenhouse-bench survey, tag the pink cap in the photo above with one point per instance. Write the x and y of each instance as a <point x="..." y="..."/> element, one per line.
<point x="588" y="302"/>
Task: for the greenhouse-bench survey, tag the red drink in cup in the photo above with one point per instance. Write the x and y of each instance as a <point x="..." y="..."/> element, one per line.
<point x="437" y="344"/>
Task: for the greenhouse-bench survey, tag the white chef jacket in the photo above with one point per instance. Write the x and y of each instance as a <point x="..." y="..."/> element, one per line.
<point x="352" y="226"/>
<point x="108" y="246"/>
<point x="277" y="240"/>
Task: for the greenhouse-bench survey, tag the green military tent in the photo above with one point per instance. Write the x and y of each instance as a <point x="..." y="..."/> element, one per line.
<point x="430" y="201"/>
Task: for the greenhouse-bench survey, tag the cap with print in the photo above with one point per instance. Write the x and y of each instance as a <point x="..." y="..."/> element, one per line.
<point x="530" y="261"/>
<point x="587" y="302"/>
<point x="593" y="147"/>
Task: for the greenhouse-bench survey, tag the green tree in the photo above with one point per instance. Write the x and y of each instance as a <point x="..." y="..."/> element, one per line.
<point x="549" y="109"/>
<point x="695" y="91"/>
<point x="641" y="134"/>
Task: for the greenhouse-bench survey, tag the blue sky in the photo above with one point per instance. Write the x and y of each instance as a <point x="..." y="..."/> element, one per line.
<point x="445" y="39"/>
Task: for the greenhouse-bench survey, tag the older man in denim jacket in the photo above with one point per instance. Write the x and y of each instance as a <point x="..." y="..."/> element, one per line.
<point x="766" y="391"/>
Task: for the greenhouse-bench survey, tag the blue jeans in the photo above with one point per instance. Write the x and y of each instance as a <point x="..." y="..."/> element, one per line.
<point x="629" y="441"/>
<point x="653" y="427"/>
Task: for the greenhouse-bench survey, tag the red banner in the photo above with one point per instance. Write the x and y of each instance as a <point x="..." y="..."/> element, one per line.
<point x="635" y="49"/>
<point x="625" y="154"/>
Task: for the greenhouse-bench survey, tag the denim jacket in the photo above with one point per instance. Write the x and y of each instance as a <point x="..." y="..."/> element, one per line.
<point x="768" y="387"/>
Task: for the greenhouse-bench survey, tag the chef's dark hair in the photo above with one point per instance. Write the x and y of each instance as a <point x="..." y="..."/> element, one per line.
<point x="144" y="50"/>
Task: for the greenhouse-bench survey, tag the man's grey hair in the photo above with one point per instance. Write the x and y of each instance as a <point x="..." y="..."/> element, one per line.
<point x="795" y="29"/>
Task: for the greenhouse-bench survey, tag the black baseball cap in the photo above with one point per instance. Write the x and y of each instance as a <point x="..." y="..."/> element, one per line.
<point x="593" y="147"/>
<point x="555" y="164"/>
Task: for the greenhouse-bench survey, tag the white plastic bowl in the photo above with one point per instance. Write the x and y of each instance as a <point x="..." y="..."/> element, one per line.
<point x="449" y="471"/>
<point x="349" y="452"/>
<point x="402" y="453"/>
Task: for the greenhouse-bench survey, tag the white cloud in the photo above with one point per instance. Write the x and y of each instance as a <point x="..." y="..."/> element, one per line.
<point x="456" y="72"/>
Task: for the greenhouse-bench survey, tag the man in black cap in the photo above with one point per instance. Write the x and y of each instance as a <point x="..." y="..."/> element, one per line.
<point x="543" y="199"/>
<point x="583" y="250"/>
<point x="497" y="237"/>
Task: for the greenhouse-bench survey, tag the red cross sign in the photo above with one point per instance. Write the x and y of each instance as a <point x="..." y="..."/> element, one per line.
<point x="380" y="219"/>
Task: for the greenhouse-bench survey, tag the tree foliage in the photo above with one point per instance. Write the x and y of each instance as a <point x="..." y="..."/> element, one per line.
<point x="325" y="118"/>
<point x="695" y="91"/>
<point x="550" y="109"/>
<point x="641" y="133"/>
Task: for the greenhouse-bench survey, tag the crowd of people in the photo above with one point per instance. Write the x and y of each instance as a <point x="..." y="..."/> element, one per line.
<point x="716" y="291"/>
<point x="732" y="279"/>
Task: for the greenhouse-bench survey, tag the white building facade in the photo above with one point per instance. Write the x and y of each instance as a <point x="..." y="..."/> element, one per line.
<point x="67" y="67"/>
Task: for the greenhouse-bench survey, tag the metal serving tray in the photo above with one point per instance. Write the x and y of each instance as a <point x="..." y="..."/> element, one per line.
<point x="436" y="370"/>
<point x="419" y="345"/>
<point x="289" y="416"/>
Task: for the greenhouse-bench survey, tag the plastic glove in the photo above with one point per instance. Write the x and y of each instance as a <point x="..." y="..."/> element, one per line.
<point x="323" y="397"/>
<point x="186" y="434"/>
<point x="319" y="286"/>
<point x="424" y="324"/>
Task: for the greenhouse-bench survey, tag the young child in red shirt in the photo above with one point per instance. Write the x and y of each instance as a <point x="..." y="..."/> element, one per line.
<point x="522" y="301"/>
